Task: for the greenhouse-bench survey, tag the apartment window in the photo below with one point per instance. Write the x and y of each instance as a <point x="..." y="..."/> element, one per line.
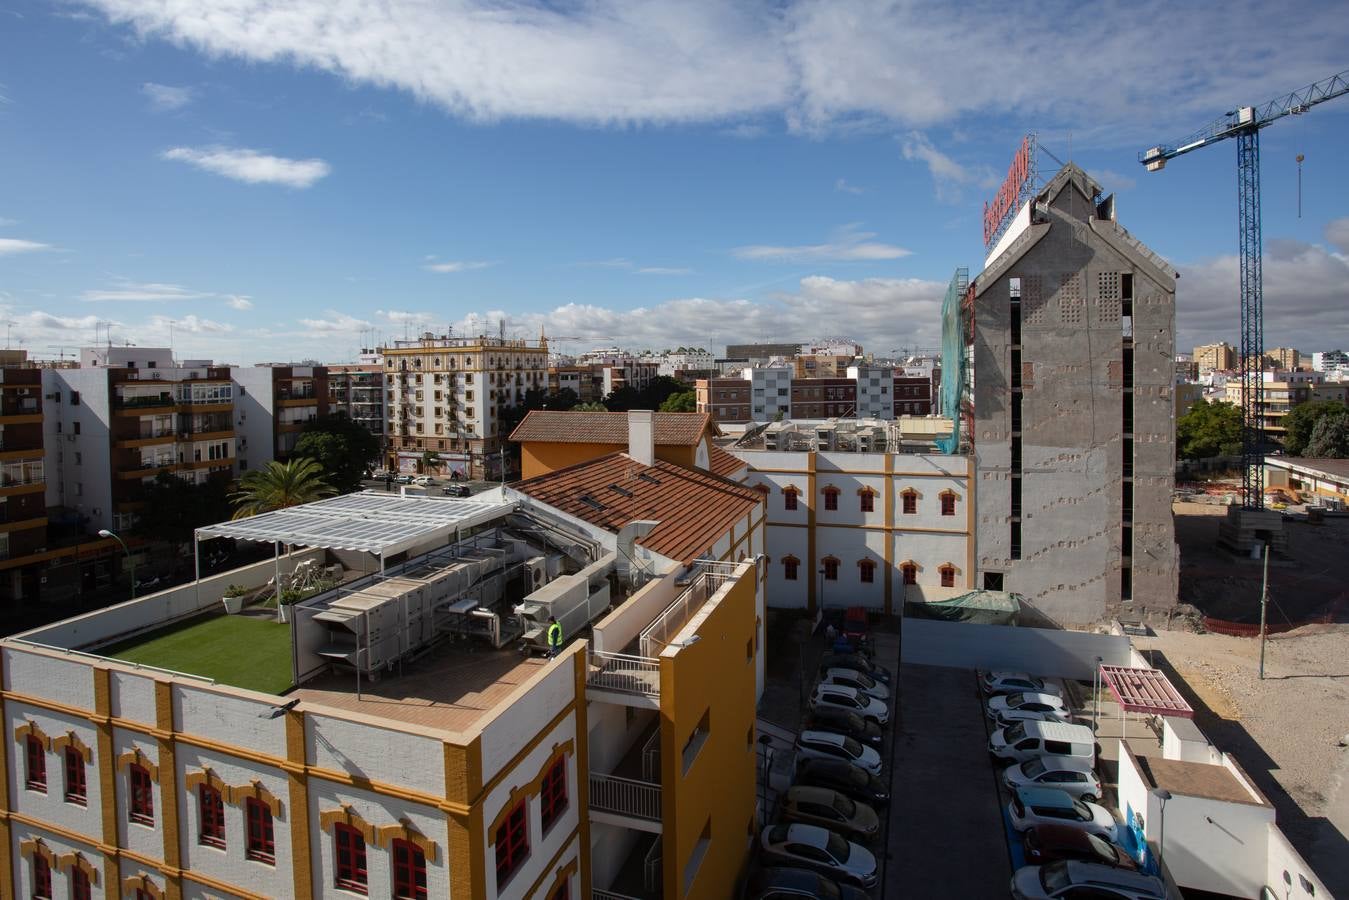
<point x="790" y="564"/>
<point x="349" y="844"/>
<point x="74" y="398"/>
<point x="948" y="575"/>
<point x="789" y="499"/>
<point x="76" y="427"/>
<point x="868" y="501"/>
<point x="75" y="787"/>
<point x="142" y="806"/>
<point x="79" y="885"/>
<point x="910" y="572"/>
<point x="909" y="500"/>
<point x="948" y="504"/>
<point x="553" y="793"/>
<point x="42" y="878"/>
<point x="867" y="571"/>
<point x="261" y="843"/>
<point x="210" y="816"/>
<point x="409" y="871"/>
<point x="830" y="568"/>
<point x="35" y="755"/>
<point x="512" y="840"/>
<point x="831" y="498"/>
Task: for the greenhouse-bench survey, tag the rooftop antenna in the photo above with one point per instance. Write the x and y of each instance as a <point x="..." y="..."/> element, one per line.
<point x="1300" y="158"/>
<point x="8" y="325"/>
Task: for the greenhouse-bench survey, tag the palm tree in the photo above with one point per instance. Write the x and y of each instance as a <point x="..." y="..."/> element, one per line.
<point x="279" y="486"/>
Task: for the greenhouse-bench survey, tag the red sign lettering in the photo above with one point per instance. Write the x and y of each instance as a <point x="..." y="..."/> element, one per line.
<point x="1005" y="200"/>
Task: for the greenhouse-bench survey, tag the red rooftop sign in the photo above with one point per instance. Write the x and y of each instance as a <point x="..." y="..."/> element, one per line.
<point x="1005" y="200"/>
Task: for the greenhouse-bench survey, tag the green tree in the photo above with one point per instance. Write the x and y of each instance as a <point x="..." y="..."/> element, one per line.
<point x="1209" y="429"/>
<point x="175" y="507"/>
<point x="683" y="402"/>
<point x="1330" y="437"/>
<point x="344" y="448"/>
<point x="592" y="406"/>
<point x="430" y="461"/>
<point x="280" y="485"/>
<point x="1301" y="421"/>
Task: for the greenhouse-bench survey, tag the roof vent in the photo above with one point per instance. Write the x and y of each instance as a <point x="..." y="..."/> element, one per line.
<point x="643" y="476"/>
<point x="592" y="502"/>
<point x="620" y="490"/>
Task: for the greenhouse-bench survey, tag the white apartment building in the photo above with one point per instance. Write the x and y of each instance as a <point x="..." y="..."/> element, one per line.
<point x="770" y="392"/>
<point x="874" y="386"/>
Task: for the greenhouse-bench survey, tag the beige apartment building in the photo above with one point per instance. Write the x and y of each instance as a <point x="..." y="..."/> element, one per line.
<point x="1221" y="356"/>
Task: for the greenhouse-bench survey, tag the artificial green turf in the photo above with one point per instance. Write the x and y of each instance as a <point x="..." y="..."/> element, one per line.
<point x="236" y="650"/>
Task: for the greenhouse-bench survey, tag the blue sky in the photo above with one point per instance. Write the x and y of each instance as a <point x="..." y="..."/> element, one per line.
<point x="282" y="181"/>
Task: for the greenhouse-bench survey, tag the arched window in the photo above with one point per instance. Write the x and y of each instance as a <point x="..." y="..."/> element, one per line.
<point x="35" y="758"/>
<point x="948" y="575"/>
<point x="909" y="501"/>
<point x="867" y="499"/>
<point x="80" y="889"/>
<point x="790" y="564"/>
<point x="261" y="840"/>
<point x="866" y="570"/>
<point x="831" y="498"/>
<point x="42" y="878"/>
<point x="830" y="565"/>
<point x="789" y="495"/>
<point x="141" y="806"/>
<point x="948" y="503"/>
<point x="210" y="817"/>
<point x="349" y="844"/>
<point x="409" y="871"/>
<point x="910" y="572"/>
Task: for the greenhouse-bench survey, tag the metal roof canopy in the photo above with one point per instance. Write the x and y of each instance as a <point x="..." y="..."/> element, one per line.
<point x="369" y="521"/>
<point x="1145" y="691"/>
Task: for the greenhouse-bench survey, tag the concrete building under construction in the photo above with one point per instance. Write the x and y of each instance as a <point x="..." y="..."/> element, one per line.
<point x="1070" y="345"/>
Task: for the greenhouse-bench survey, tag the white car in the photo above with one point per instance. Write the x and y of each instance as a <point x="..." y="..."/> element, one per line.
<point x="827" y="745"/>
<point x="1012" y="716"/>
<point x="851" y="699"/>
<point x="1028" y="701"/>
<point x="855" y="679"/>
<point x="1045" y="806"/>
<point x="422" y="480"/>
<point x="820" y="849"/>
<point x="1071" y="878"/>
<point x="1065" y="773"/>
<point x="1004" y="682"/>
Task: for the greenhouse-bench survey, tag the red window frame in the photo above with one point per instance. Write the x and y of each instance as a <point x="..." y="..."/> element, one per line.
<point x="210" y="817"/>
<point x="76" y="788"/>
<point x="79" y="885"/>
<point x="948" y="576"/>
<point x="409" y="870"/>
<point x="910" y="574"/>
<point x="910" y="503"/>
<point x="789" y="499"/>
<point x="512" y="841"/>
<point x="141" y="803"/>
<point x="35" y="758"/>
<point x="948" y="504"/>
<point x="867" y="570"/>
<point x="831" y="498"/>
<point x="868" y="501"/>
<point x="553" y="793"/>
<point x="349" y="853"/>
<point x="830" y="568"/>
<point x="260" y="837"/>
<point x="42" y="878"/>
<point x="790" y="564"/>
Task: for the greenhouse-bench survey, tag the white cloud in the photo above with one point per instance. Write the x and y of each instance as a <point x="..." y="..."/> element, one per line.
<point x="948" y="176"/>
<point x="190" y="324"/>
<point x="336" y="323"/>
<point x="843" y="187"/>
<point x="663" y="270"/>
<point x="848" y="245"/>
<point x="239" y="302"/>
<point x="1337" y="233"/>
<point x="165" y="97"/>
<point x="627" y="265"/>
<point x="4" y="223"/>
<point x="11" y="246"/>
<point x="457" y="266"/>
<point x="251" y="166"/>
<point x="816" y="63"/>
<point x="143" y="292"/>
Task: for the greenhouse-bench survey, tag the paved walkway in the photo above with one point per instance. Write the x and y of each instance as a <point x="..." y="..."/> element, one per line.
<point x="946" y="837"/>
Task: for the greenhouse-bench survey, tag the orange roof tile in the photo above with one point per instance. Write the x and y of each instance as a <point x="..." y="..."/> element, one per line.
<point x="719" y="462"/>
<point x="572" y="427"/>
<point x="694" y="508"/>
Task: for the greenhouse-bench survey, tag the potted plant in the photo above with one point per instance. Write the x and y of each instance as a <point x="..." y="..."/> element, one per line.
<point x="234" y="598"/>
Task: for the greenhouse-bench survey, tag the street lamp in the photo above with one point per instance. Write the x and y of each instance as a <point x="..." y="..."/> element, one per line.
<point x="1096" y="697"/>
<point x="1163" y="795"/>
<point x="105" y="533"/>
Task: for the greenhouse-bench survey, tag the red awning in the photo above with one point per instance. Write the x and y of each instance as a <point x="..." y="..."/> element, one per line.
<point x="1145" y="691"/>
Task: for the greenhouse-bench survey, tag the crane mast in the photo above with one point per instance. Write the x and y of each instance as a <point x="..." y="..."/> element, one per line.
<point x="1244" y="125"/>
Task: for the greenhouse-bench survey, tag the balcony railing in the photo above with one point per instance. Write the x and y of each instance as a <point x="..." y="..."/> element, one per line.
<point x="624" y="673"/>
<point x="625" y="797"/>
<point x="142" y="402"/>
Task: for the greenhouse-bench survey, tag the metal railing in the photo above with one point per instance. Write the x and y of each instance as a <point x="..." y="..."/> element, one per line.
<point x="624" y="673"/>
<point x="625" y="796"/>
<point x="651" y="869"/>
<point x="651" y="757"/>
<point x="706" y="581"/>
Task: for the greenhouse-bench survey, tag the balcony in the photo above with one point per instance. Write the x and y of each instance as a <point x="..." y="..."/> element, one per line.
<point x="161" y="401"/>
<point x="624" y="679"/>
<point x="625" y="801"/>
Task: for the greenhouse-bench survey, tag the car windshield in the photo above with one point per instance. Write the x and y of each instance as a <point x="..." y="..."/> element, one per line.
<point x="1015" y="700"/>
<point x="1036" y="683"/>
<point x="837" y="847"/>
<point x="778" y="835"/>
<point x="1033" y="769"/>
<point x="1054" y="877"/>
<point x="1083" y="812"/>
<point x="1013" y="733"/>
<point x="845" y="807"/>
<point x="853" y="748"/>
<point x="1103" y="849"/>
<point x="864" y="679"/>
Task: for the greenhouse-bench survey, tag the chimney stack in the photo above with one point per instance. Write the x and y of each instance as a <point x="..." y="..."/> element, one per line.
<point x="642" y="436"/>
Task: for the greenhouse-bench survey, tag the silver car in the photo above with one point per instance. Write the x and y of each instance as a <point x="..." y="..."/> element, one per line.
<point x="827" y="745"/>
<point x="1071" y="775"/>
<point x="851" y="699"/>
<point x="820" y="849"/>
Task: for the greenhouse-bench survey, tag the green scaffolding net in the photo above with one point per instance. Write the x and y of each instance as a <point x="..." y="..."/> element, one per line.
<point x="953" y="365"/>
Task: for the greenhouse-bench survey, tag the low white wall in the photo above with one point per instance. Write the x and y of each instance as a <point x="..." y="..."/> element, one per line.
<point x="1282" y="861"/>
<point x="1040" y="651"/>
<point x="616" y="630"/>
<point x="161" y="608"/>
<point x="1182" y="740"/>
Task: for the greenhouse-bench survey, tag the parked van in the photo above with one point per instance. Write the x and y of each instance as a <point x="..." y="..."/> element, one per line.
<point x="1022" y="741"/>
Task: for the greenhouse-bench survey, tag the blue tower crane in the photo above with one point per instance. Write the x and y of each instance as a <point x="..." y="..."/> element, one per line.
<point x="1244" y="124"/>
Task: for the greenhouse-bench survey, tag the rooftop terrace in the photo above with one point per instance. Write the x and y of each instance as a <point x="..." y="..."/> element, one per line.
<point x="241" y="651"/>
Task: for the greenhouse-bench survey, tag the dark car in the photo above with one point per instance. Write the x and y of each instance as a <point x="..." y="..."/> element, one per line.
<point x="844" y="777"/>
<point x="789" y="883"/>
<point x="859" y="661"/>
<point x="840" y="721"/>
<point x="456" y="490"/>
<point x="1047" y="843"/>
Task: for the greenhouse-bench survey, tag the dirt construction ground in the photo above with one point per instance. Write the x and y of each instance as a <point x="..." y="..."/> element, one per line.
<point x="1286" y="731"/>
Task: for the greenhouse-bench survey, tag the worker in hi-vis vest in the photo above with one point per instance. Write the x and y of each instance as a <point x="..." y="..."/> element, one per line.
<point x="554" y="637"/>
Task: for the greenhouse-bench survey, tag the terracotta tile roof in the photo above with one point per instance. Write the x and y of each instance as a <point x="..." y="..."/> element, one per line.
<point x="722" y="463"/>
<point x="694" y="508"/>
<point x="571" y="427"/>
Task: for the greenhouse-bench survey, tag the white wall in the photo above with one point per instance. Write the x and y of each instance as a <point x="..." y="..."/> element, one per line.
<point x="518" y="718"/>
<point x="59" y="846"/>
<point x="380" y="754"/>
<point x="1040" y="651"/>
<point x="1280" y="860"/>
<point x="616" y="630"/>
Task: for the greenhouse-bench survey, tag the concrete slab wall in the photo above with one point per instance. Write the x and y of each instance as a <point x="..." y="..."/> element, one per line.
<point x="1040" y="651"/>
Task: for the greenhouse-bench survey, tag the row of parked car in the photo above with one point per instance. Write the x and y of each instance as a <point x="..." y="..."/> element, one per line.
<point x="828" y="819"/>
<point x="1070" y="841"/>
